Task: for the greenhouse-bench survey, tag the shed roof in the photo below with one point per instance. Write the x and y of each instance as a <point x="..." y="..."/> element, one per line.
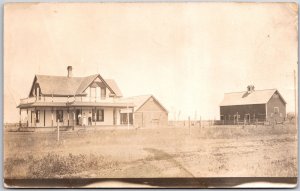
<point x="139" y="101"/>
<point x="69" y="86"/>
<point x="245" y="98"/>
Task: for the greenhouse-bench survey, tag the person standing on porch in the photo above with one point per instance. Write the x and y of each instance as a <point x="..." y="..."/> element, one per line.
<point x="79" y="119"/>
<point x="90" y="119"/>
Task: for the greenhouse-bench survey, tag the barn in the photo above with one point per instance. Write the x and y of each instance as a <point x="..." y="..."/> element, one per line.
<point x="253" y="106"/>
<point x="147" y="112"/>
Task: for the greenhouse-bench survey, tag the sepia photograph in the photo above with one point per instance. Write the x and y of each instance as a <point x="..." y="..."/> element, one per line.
<point x="150" y="95"/>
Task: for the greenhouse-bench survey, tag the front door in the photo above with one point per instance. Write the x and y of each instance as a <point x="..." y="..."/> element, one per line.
<point x="77" y="118"/>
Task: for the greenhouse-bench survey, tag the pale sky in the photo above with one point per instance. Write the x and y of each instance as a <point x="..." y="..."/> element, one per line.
<point x="186" y="54"/>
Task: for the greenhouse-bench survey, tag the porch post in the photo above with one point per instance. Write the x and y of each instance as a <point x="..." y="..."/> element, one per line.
<point x="68" y="116"/>
<point x="27" y="117"/>
<point x="52" y="117"/>
<point x="20" y="122"/>
<point x="95" y="112"/>
<point x="44" y="117"/>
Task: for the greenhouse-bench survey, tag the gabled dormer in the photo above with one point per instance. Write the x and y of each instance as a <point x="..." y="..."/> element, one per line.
<point x="35" y="90"/>
<point x="98" y="89"/>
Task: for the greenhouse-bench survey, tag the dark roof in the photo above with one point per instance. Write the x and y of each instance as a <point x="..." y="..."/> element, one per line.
<point x="139" y="101"/>
<point x="245" y="98"/>
<point x="70" y="86"/>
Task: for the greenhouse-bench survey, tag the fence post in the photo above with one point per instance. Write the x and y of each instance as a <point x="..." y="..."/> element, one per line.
<point x="200" y="122"/>
<point x="58" y="131"/>
<point x="189" y="126"/>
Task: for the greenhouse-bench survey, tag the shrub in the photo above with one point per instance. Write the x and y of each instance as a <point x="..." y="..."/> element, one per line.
<point x="55" y="165"/>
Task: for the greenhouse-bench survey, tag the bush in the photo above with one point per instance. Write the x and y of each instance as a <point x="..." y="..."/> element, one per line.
<point x="54" y="165"/>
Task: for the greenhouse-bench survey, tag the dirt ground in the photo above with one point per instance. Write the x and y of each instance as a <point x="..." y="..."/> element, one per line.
<point x="215" y="151"/>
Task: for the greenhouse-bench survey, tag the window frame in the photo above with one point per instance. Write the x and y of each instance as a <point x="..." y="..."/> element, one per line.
<point x="37" y="116"/>
<point x="58" y="117"/>
<point x="276" y="112"/>
<point x="99" y="118"/>
<point x="102" y="92"/>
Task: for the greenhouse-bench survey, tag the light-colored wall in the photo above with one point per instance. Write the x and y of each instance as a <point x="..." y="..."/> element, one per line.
<point x="149" y="114"/>
<point x="108" y="117"/>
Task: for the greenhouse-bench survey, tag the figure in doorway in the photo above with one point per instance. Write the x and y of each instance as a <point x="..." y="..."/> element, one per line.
<point x="90" y="119"/>
<point x="79" y="119"/>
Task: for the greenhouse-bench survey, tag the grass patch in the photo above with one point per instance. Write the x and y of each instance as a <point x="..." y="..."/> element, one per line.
<point x="54" y="165"/>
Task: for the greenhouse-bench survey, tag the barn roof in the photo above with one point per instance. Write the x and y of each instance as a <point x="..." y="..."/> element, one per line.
<point x="69" y="86"/>
<point x="245" y="98"/>
<point x="139" y="101"/>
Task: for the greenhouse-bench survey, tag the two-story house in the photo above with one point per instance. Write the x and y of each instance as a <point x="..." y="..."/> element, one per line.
<point x="72" y="101"/>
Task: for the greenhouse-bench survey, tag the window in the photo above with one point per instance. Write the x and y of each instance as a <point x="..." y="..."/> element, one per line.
<point x="98" y="90"/>
<point x="37" y="92"/>
<point x="37" y="116"/>
<point x="103" y="92"/>
<point x="93" y="92"/>
<point x="59" y="116"/>
<point x="100" y="115"/>
<point x="94" y="115"/>
<point x="276" y="110"/>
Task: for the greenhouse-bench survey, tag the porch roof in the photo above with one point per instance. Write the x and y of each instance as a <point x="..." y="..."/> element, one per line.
<point x="74" y="104"/>
<point x="42" y="104"/>
<point x="102" y="104"/>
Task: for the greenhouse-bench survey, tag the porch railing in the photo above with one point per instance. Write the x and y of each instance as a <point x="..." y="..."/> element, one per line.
<point x="66" y="99"/>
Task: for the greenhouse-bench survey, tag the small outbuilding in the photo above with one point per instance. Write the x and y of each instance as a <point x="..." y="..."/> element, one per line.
<point x="253" y="106"/>
<point x="147" y="112"/>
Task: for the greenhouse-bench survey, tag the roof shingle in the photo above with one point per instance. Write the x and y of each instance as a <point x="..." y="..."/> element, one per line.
<point x="70" y="86"/>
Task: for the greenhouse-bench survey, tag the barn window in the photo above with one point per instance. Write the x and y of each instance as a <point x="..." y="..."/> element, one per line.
<point x="276" y="110"/>
<point x="59" y="116"/>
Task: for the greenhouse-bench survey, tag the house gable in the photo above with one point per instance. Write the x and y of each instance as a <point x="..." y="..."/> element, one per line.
<point x="151" y="104"/>
<point x="35" y="88"/>
<point x="31" y="92"/>
<point x="97" y="82"/>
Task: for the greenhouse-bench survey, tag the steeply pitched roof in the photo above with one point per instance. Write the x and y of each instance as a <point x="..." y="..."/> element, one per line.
<point x="139" y="101"/>
<point x="85" y="82"/>
<point x="112" y="83"/>
<point x="244" y="98"/>
<point x="69" y="86"/>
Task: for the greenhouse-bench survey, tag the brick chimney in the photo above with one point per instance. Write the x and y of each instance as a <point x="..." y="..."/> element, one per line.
<point x="69" y="71"/>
